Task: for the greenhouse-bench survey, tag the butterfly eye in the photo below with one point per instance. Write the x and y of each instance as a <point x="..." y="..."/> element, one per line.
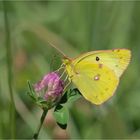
<point x="97" y="58"/>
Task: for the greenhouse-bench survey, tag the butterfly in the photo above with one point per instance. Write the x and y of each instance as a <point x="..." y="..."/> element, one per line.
<point x="97" y="73"/>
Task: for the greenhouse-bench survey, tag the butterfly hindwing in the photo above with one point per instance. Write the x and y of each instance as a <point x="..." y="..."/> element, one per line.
<point x="96" y="84"/>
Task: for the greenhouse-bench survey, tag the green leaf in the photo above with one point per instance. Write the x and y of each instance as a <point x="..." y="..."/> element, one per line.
<point x="63" y="126"/>
<point x="74" y="95"/>
<point x="30" y="87"/>
<point x="42" y="102"/>
<point x="31" y="92"/>
<point x="70" y="96"/>
<point x="64" y="98"/>
<point x="61" y="115"/>
<point x="41" y="99"/>
<point x="32" y="96"/>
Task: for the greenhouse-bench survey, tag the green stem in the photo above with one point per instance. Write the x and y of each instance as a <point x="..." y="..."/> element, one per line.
<point x="9" y="67"/>
<point x="40" y="125"/>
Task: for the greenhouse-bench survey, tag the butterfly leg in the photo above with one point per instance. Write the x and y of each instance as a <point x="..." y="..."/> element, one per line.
<point x="69" y="82"/>
<point x="66" y="86"/>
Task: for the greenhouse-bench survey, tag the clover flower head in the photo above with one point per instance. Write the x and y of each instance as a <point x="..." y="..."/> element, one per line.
<point x="51" y="85"/>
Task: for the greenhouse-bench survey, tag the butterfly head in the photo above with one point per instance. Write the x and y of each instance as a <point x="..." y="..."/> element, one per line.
<point x="66" y="61"/>
<point x="68" y="64"/>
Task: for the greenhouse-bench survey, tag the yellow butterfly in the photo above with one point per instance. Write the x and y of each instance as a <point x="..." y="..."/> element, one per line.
<point x="96" y="74"/>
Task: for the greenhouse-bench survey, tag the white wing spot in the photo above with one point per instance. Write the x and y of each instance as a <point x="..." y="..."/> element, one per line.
<point x="97" y="77"/>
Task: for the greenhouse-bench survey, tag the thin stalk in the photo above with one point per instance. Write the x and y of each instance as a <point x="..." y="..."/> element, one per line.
<point x="9" y="69"/>
<point x="35" y="137"/>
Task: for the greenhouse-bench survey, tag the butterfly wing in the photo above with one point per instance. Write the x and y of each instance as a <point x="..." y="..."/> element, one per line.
<point x="96" y="85"/>
<point x="96" y="74"/>
<point x="116" y="59"/>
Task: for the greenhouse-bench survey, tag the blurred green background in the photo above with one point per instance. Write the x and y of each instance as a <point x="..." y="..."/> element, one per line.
<point x="75" y="28"/>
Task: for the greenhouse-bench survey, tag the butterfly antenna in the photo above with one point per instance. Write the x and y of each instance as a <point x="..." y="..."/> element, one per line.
<point x="58" y="50"/>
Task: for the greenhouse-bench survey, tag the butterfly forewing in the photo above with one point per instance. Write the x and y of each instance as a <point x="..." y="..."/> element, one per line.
<point x="117" y="59"/>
